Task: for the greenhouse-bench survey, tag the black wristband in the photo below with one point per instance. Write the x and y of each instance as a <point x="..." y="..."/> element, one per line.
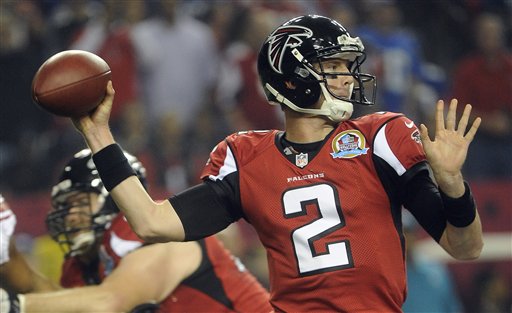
<point x="112" y="166"/>
<point x="460" y="212"/>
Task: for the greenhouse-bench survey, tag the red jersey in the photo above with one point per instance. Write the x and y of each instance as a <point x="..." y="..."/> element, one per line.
<point x="330" y="229"/>
<point x="220" y="284"/>
<point x="76" y="274"/>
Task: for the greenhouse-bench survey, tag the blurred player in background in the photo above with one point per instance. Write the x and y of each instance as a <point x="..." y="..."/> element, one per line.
<point x="120" y="271"/>
<point x="325" y="195"/>
<point x="484" y="78"/>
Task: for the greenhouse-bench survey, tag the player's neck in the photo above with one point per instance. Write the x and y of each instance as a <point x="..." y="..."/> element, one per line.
<point x="307" y="129"/>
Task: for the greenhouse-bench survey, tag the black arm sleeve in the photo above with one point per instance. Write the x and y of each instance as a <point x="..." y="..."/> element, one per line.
<point x="204" y="210"/>
<point x="423" y="199"/>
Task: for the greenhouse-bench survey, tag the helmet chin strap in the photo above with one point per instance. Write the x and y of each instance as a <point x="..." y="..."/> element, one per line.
<point x="335" y="109"/>
<point x="81" y="242"/>
<point x="339" y="110"/>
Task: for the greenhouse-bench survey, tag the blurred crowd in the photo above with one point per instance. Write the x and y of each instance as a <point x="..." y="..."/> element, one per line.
<point x="184" y="72"/>
<point x="185" y="77"/>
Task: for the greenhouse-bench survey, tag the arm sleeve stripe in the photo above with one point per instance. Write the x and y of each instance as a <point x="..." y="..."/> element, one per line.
<point x="382" y="150"/>
<point x="228" y="167"/>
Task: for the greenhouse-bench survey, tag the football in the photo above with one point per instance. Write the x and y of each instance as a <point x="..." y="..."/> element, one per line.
<point x="71" y="83"/>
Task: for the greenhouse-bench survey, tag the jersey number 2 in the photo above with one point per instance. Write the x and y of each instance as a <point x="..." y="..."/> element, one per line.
<point x="337" y="255"/>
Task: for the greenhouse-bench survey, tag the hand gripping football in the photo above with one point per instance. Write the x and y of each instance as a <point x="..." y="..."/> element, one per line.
<point x="71" y="83"/>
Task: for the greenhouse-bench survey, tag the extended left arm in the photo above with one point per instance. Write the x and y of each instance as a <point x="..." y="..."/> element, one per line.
<point x="462" y="237"/>
<point x="146" y="275"/>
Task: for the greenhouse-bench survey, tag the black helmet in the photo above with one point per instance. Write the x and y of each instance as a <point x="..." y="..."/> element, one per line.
<point x="80" y="176"/>
<point x="288" y="54"/>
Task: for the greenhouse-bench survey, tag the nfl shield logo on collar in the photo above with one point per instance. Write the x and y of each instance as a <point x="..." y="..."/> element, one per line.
<point x="301" y="160"/>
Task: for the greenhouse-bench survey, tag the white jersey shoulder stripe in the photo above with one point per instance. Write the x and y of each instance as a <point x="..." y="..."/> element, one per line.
<point x="227" y="168"/>
<point x="383" y="150"/>
<point x="122" y="247"/>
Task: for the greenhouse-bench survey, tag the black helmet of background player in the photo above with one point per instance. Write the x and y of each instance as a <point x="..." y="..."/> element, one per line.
<point x="287" y="73"/>
<point x="80" y="176"/>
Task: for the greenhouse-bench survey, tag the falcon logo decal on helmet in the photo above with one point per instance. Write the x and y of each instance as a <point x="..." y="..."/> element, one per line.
<point x="282" y="38"/>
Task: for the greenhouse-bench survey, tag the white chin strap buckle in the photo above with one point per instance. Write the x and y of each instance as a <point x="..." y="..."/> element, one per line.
<point x="339" y="110"/>
<point x="81" y="242"/>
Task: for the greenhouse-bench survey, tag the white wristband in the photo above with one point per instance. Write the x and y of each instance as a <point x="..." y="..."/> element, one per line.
<point x="21" y="299"/>
<point x="7" y="225"/>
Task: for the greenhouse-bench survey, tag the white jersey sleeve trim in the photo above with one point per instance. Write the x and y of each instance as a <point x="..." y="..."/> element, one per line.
<point x="227" y="168"/>
<point x="383" y="150"/>
<point x="122" y="247"/>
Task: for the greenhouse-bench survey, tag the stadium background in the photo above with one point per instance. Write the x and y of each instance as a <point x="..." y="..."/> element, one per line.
<point x="34" y="145"/>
